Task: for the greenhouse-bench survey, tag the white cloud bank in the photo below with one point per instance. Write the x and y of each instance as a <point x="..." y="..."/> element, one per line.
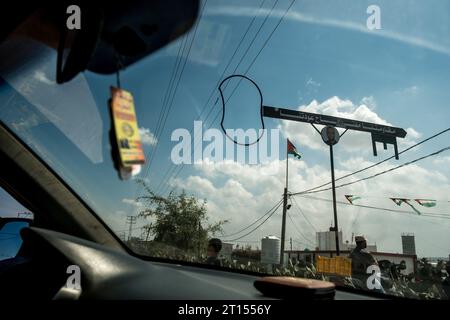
<point x="147" y="137"/>
<point x="243" y="193"/>
<point x="305" y="135"/>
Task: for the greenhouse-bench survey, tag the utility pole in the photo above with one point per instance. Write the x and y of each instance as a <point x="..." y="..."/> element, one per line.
<point x="148" y="233"/>
<point x="333" y="187"/>
<point x="199" y="236"/>
<point x="131" y="220"/>
<point x="285" y="195"/>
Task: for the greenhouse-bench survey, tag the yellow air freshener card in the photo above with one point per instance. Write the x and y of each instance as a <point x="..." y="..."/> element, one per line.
<point x="126" y="128"/>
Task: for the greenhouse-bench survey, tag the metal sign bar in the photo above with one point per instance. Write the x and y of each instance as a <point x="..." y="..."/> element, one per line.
<point x="325" y="120"/>
<point x="380" y="133"/>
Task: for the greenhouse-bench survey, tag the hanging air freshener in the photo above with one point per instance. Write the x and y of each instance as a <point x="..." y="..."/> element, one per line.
<point x="126" y="144"/>
<point x="127" y="137"/>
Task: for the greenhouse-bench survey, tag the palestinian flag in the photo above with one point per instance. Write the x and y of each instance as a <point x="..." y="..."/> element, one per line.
<point x="291" y="149"/>
<point x="426" y="203"/>
<point x="351" y="198"/>
<point x="399" y="201"/>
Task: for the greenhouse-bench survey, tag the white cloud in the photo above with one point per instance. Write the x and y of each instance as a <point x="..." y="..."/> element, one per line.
<point x="203" y="186"/>
<point x="240" y="193"/>
<point x="135" y="207"/>
<point x="313" y="83"/>
<point x="369" y="102"/>
<point x="306" y="136"/>
<point x="132" y="202"/>
<point x="147" y="137"/>
<point x="409" y="91"/>
<point x="442" y="160"/>
<point x="361" y="27"/>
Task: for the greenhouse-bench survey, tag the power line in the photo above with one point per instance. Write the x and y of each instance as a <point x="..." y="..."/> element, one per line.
<point x="180" y="76"/>
<point x="180" y="54"/>
<point x="385" y="171"/>
<point x="247" y="241"/>
<point x="171" y="169"/>
<point x="168" y="92"/>
<point x="263" y="46"/>
<point x="125" y="230"/>
<point x="377" y="174"/>
<point x="426" y="214"/>
<point x="248" y="68"/>
<point x="298" y="229"/>
<point x="254" y="222"/>
<point x="253" y="40"/>
<point x="230" y="60"/>
<point x="169" y="106"/>
<point x="375" y="164"/>
<point x="258" y="226"/>
<point x="228" y="64"/>
<point x="244" y="55"/>
<point x="301" y="242"/>
<point x="259" y="52"/>
<point x="301" y="212"/>
<point x="163" y="109"/>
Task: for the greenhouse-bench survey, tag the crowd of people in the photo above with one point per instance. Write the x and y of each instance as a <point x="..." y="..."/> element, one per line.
<point x="426" y="276"/>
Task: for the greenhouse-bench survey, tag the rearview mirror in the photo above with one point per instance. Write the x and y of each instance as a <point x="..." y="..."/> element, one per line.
<point x="76" y="46"/>
<point x="111" y="36"/>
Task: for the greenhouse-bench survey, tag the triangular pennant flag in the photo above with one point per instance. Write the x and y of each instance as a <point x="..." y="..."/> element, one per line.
<point x="426" y="202"/>
<point x="291" y="149"/>
<point x="399" y="201"/>
<point x="351" y="198"/>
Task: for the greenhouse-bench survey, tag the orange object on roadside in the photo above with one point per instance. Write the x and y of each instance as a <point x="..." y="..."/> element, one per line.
<point x="337" y="266"/>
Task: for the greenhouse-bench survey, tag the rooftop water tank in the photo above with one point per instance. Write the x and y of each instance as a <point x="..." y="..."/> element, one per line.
<point x="270" y="250"/>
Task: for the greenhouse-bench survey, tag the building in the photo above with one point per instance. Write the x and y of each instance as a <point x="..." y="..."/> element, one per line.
<point x="408" y="243"/>
<point x="227" y="250"/>
<point x="350" y="247"/>
<point x="326" y="241"/>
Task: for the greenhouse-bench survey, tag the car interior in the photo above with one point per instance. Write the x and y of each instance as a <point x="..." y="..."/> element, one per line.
<point x="64" y="230"/>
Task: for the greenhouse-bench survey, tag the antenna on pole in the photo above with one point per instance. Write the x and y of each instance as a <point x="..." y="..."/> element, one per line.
<point x="131" y="220"/>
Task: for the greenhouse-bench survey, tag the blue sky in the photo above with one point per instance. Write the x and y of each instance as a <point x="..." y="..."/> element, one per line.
<point x="322" y="59"/>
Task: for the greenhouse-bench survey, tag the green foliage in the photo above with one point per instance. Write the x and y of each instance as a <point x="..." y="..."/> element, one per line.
<point x="180" y="220"/>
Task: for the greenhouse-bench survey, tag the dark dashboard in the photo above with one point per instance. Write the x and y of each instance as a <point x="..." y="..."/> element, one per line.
<point x="47" y="259"/>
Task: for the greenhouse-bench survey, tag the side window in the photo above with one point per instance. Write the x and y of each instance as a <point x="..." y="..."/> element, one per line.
<point x="13" y="218"/>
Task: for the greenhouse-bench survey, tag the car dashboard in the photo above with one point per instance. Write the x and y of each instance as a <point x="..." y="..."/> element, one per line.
<point x="48" y="260"/>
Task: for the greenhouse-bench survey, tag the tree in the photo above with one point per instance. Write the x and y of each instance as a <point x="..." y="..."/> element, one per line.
<point x="180" y="220"/>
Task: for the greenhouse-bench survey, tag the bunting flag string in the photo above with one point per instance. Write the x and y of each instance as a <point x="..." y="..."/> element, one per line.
<point x="427" y="203"/>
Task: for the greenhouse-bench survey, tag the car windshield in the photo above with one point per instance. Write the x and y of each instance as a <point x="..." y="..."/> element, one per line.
<point x="201" y="197"/>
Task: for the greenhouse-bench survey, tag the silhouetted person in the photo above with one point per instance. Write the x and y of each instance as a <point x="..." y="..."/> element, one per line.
<point x="361" y="260"/>
<point x="214" y="247"/>
<point x="446" y="282"/>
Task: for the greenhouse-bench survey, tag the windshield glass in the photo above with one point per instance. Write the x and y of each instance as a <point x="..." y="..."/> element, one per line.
<point x="200" y="197"/>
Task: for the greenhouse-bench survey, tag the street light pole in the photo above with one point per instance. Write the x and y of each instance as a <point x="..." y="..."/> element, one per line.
<point x="330" y="135"/>
<point x="336" y="229"/>
<point x="283" y="223"/>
